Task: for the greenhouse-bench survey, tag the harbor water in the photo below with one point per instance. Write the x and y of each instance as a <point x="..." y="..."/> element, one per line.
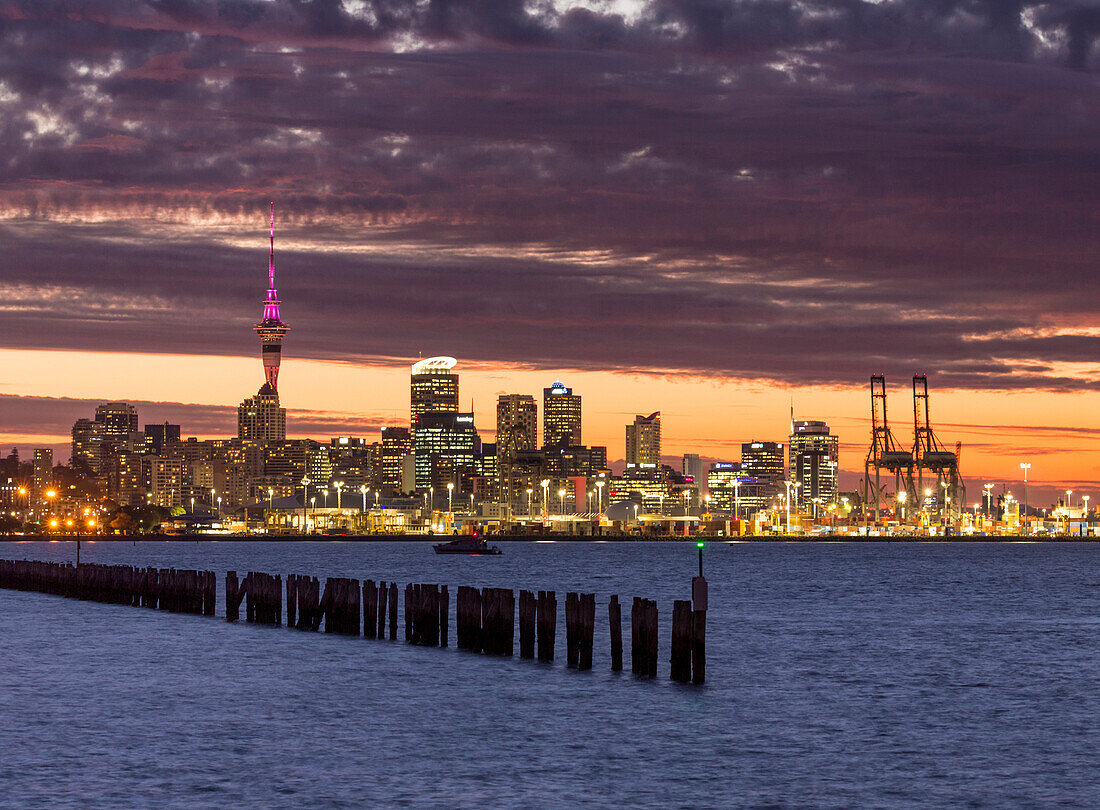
<point x="841" y="675"/>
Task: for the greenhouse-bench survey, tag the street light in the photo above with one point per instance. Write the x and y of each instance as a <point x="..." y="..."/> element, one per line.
<point x="450" y="494"/>
<point x="305" y="497"/>
<point x="339" y="492"/>
<point x="988" y="499"/>
<point x="545" y="497"/>
<point x="1025" y="466"/>
<point x="737" y="498"/>
<point x="1069" y="494"/>
<point x="363" y="492"/>
<point x="901" y="497"/>
<point x="599" y="496"/>
<point x="529" y="493"/>
<point x="325" y="493"/>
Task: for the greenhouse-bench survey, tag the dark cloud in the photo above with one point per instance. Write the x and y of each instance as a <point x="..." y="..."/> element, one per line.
<point x="54" y="416"/>
<point x="799" y="191"/>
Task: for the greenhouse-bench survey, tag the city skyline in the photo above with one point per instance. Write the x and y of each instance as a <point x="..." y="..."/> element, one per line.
<point x="916" y="202"/>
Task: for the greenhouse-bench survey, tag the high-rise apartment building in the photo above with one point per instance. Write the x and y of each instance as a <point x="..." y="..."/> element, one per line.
<point x="813" y="458"/>
<point x="166" y="481"/>
<point x="643" y="441"/>
<point x="561" y="416"/>
<point x="42" y="466"/>
<point x="434" y="388"/>
<point x="87" y="445"/>
<point x="260" y="420"/>
<point x="119" y="420"/>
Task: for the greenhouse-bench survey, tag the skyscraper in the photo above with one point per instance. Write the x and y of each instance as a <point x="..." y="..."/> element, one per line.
<point x="692" y="467"/>
<point x="517" y="426"/>
<point x="271" y="329"/>
<point x="434" y="388"/>
<point x="812" y="454"/>
<point x="396" y="445"/>
<point x="561" y="416"/>
<point x="643" y="441"/>
<point x="43" y="470"/>
<point x="763" y="463"/>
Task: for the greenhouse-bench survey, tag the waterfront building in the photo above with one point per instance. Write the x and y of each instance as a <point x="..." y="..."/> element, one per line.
<point x="433" y="388"/>
<point x="561" y="416"/>
<point x="643" y="441"/>
<point x="813" y="462"/>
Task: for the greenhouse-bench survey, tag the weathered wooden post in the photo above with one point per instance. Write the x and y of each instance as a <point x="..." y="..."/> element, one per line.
<point x="651" y="639"/>
<point x="615" y="619"/>
<point x="444" y="608"/>
<point x="680" y="661"/>
<point x="291" y="600"/>
<point x="383" y="600"/>
<point x="547" y="612"/>
<point x="586" y="627"/>
<point x="570" y="629"/>
<point x="699" y="625"/>
<point x="232" y="602"/>
<point x="370" y="608"/>
<point x="393" y="611"/>
<point x="636" y="636"/>
<point x="526" y="624"/>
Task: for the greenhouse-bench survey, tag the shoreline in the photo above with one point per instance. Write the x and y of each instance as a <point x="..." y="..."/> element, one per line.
<point x="521" y="538"/>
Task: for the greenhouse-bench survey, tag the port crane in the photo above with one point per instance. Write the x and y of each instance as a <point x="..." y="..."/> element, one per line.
<point x="884" y="454"/>
<point x="932" y="457"/>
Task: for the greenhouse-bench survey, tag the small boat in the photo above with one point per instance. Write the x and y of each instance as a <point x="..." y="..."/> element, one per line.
<point x="467" y="544"/>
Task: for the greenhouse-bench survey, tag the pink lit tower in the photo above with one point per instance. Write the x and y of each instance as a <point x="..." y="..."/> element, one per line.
<point x="271" y="329"/>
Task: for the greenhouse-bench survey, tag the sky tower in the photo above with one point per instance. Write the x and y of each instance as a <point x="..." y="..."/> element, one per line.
<point x="271" y="329"/>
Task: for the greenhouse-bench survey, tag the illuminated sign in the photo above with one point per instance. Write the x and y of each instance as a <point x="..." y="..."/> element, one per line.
<point x="431" y="364"/>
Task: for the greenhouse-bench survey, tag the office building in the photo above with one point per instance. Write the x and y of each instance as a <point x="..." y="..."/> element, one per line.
<point x="444" y="445"/>
<point x="433" y="388"/>
<point x="643" y="441"/>
<point x="813" y="458"/>
<point x="160" y="435"/>
<point x="692" y="467"/>
<point x="561" y="416"/>
<point x="396" y="445"/>
<point x="517" y="425"/>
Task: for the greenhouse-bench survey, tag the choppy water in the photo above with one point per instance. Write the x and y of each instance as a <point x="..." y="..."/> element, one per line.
<point x="839" y="675"/>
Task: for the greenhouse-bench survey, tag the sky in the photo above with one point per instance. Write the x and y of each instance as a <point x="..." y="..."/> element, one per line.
<point x="712" y="209"/>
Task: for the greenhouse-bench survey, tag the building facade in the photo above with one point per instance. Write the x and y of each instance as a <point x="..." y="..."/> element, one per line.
<point x="260" y="419"/>
<point x="813" y="459"/>
<point x="433" y="388"/>
<point x="643" y="441"/>
<point x="561" y="416"/>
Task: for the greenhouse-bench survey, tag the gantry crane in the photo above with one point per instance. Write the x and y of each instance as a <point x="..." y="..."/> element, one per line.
<point x="928" y="454"/>
<point x="884" y="453"/>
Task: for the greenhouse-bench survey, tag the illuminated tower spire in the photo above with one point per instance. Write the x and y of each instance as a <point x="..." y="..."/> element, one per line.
<point x="271" y="329"/>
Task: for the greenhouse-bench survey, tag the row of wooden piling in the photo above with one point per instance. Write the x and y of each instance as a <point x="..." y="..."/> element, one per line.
<point x="485" y="618"/>
<point x="170" y="589"/>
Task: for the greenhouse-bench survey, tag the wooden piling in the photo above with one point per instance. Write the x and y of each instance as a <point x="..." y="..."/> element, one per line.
<point x="232" y="597"/>
<point x="586" y="628"/>
<point x="393" y="611"/>
<point x="547" y="618"/>
<point x="526" y="624"/>
<point x="383" y="600"/>
<point x="680" y="660"/>
<point x="370" y="608"/>
<point x="699" y="646"/>
<point x="571" y="648"/>
<point x="615" y="620"/>
<point x="444" y="609"/>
